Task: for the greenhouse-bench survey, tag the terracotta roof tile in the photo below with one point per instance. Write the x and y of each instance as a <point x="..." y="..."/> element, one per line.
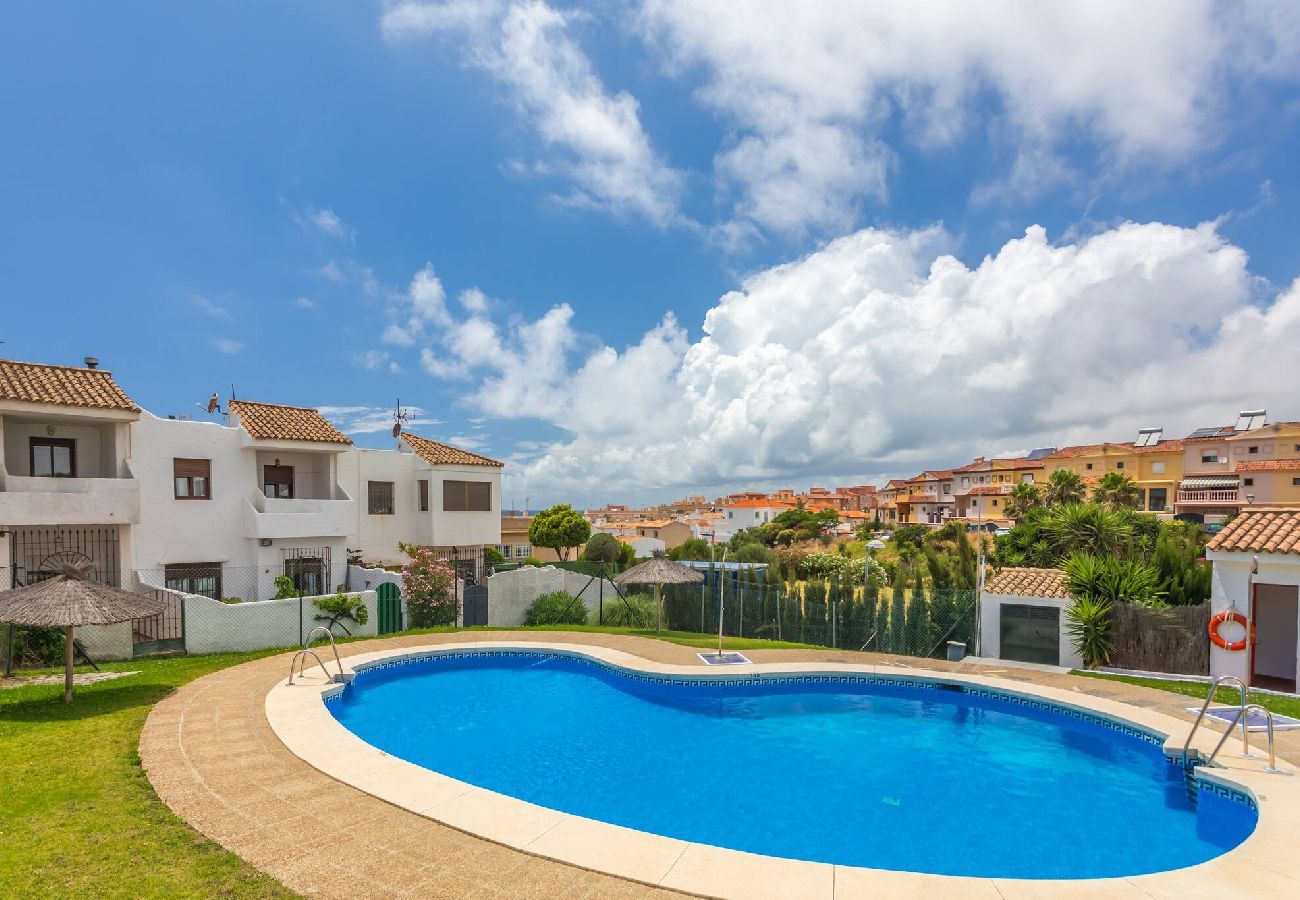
<point x="1269" y="465"/>
<point x="1160" y="447"/>
<point x="436" y="454"/>
<point x="270" y="421"/>
<point x="1076" y="450"/>
<point x="1027" y="582"/>
<point x="1260" y="531"/>
<point x="62" y="386"/>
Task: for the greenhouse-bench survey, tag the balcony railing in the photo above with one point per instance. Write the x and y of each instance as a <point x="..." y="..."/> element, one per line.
<point x="1209" y="497"/>
<point x="27" y="500"/>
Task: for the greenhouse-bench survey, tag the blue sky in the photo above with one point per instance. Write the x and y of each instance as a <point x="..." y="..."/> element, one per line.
<point x="248" y="193"/>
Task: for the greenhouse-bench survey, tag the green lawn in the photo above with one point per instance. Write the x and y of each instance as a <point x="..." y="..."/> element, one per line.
<point x="1196" y="689"/>
<point x="78" y="814"/>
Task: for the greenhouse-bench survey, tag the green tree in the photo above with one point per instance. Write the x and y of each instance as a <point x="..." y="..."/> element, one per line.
<point x="1063" y="488"/>
<point x="754" y="553"/>
<point x="1117" y="491"/>
<point x="493" y="557"/>
<point x="1023" y="497"/>
<point x="1087" y="528"/>
<point x="1179" y="560"/>
<point x="897" y="616"/>
<point x="910" y="535"/>
<point x="693" y="549"/>
<point x="1113" y="580"/>
<point x="602" y="548"/>
<point x="917" y="626"/>
<point x="560" y="528"/>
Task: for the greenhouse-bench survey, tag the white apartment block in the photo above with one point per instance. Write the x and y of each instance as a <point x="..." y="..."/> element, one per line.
<point x="219" y="508"/>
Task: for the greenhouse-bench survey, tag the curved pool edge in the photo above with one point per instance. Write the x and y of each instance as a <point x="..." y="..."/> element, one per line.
<point x="1262" y="865"/>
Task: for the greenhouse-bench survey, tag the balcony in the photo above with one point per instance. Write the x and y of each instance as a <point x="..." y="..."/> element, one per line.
<point x="265" y="517"/>
<point x="25" y="500"/>
<point x="1209" y="497"/>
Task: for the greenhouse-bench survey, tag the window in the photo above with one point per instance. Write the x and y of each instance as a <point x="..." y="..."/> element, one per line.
<point x="467" y="496"/>
<point x="203" y="579"/>
<point x="53" y="458"/>
<point x="1252" y="449"/>
<point x="380" y="496"/>
<point x="1209" y="457"/>
<point x="192" y="479"/>
<point x="307" y="574"/>
<point x="995" y="504"/>
<point x="1248" y="482"/>
<point x="277" y="482"/>
<point x="1088" y="466"/>
<point x="1119" y="465"/>
<point x="1158" y="468"/>
<point x="424" y="495"/>
<point x="523" y="551"/>
<point x="1295" y="482"/>
<point x="1157" y="499"/>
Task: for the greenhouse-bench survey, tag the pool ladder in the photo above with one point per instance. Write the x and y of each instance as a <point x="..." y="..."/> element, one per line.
<point x="1243" y="710"/>
<point x="307" y="651"/>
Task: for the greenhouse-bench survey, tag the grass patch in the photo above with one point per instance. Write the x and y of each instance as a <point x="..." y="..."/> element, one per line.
<point x="1286" y="706"/>
<point x="80" y="818"/>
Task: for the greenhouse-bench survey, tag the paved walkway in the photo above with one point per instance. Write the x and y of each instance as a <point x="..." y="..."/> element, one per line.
<point x="212" y="758"/>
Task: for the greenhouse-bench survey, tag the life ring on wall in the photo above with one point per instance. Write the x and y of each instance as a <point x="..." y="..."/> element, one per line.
<point x="1231" y="615"/>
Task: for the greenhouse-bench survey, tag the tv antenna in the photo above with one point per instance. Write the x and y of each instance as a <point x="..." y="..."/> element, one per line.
<point x="399" y="418"/>
<point x="214" y="403"/>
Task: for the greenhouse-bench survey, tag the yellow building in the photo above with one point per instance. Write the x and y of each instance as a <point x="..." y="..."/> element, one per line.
<point x="1156" y="467"/>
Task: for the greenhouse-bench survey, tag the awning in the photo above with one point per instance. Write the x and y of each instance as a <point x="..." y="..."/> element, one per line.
<point x="1209" y="483"/>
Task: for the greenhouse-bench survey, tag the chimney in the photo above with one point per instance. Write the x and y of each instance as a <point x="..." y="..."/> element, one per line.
<point x="92" y="362"/>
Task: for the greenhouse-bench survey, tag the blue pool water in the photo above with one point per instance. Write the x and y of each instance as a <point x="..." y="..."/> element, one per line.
<point x="914" y="778"/>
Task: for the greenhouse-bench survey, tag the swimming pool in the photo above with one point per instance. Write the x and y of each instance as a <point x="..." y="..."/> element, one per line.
<point x="849" y="769"/>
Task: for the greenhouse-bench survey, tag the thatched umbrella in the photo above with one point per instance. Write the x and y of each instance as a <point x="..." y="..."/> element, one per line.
<point x="658" y="571"/>
<point x="69" y="599"/>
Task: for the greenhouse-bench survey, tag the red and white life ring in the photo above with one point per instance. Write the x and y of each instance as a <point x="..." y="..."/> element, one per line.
<point x="1231" y="615"/>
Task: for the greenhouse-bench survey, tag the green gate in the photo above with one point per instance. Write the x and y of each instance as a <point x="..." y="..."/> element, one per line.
<point x="390" y="608"/>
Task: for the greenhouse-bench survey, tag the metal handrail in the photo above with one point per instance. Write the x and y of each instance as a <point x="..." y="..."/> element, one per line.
<point x="333" y="646"/>
<point x="302" y="670"/>
<point x="1209" y="698"/>
<point x="1241" y="714"/>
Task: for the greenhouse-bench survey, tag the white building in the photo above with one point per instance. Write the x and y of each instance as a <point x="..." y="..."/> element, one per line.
<point x="219" y="509"/>
<point x="1256" y="561"/>
<point x="751" y="513"/>
<point x="1022" y="618"/>
<point x="68" y="492"/>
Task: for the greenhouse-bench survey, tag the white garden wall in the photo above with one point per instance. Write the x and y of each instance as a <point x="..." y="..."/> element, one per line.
<point x="215" y="627"/>
<point x="511" y="593"/>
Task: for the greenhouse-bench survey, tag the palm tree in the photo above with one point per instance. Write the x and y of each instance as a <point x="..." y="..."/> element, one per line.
<point x="1023" y="497"/>
<point x="1063" y="488"/>
<point x="1086" y="528"/>
<point x="1117" y="491"/>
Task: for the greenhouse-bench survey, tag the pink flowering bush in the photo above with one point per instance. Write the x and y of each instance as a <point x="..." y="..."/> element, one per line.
<point x="429" y="585"/>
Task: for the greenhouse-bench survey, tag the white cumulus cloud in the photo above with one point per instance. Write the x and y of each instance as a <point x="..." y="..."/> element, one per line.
<point x="595" y="137"/>
<point x="883" y="353"/>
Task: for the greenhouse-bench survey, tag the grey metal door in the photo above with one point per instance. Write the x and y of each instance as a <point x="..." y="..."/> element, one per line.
<point x="475" y="604"/>
<point x="1031" y="634"/>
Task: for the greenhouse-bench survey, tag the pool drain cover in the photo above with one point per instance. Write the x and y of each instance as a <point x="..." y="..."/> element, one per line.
<point x="730" y="658"/>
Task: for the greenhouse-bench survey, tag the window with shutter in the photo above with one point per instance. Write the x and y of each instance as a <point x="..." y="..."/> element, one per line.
<point x="192" y="479"/>
<point x="467" y="496"/>
<point x="380" y="496"/>
<point x="424" y="495"/>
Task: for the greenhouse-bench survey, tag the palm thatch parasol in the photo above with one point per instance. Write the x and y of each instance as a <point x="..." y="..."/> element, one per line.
<point x="658" y="571"/>
<point x="69" y="599"/>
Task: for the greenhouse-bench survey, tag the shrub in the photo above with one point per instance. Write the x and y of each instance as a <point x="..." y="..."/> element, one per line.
<point x="1088" y="624"/>
<point x="339" y="607"/>
<point x="533" y="561"/>
<point x="632" y="611"/>
<point x="429" y="586"/>
<point x="493" y="557"/>
<point x="232" y="600"/>
<point x="35" y="647"/>
<point x="602" y="548"/>
<point x="556" y="608"/>
<point x="284" y="588"/>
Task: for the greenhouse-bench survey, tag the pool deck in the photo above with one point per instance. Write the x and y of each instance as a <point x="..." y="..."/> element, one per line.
<point x="215" y="758"/>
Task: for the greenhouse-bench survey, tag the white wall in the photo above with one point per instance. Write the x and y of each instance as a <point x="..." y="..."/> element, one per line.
<point x="378" y="536"/>
<point x="1231" y="584"/>
<point x="465" y="529"/>
<point x="991" y="625"/>
<point x="106" y="642"/>
<point x="215" y="627"/>
<point x="511" y="593"/>
<point x="90" y="440"/>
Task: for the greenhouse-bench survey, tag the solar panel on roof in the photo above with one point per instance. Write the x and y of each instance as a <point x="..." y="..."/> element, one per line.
<point x="1249" y="419"/>
<point x="1041" y="452"/>
<point x="1148" y="436"/>
<point x="1204" y="432"/>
